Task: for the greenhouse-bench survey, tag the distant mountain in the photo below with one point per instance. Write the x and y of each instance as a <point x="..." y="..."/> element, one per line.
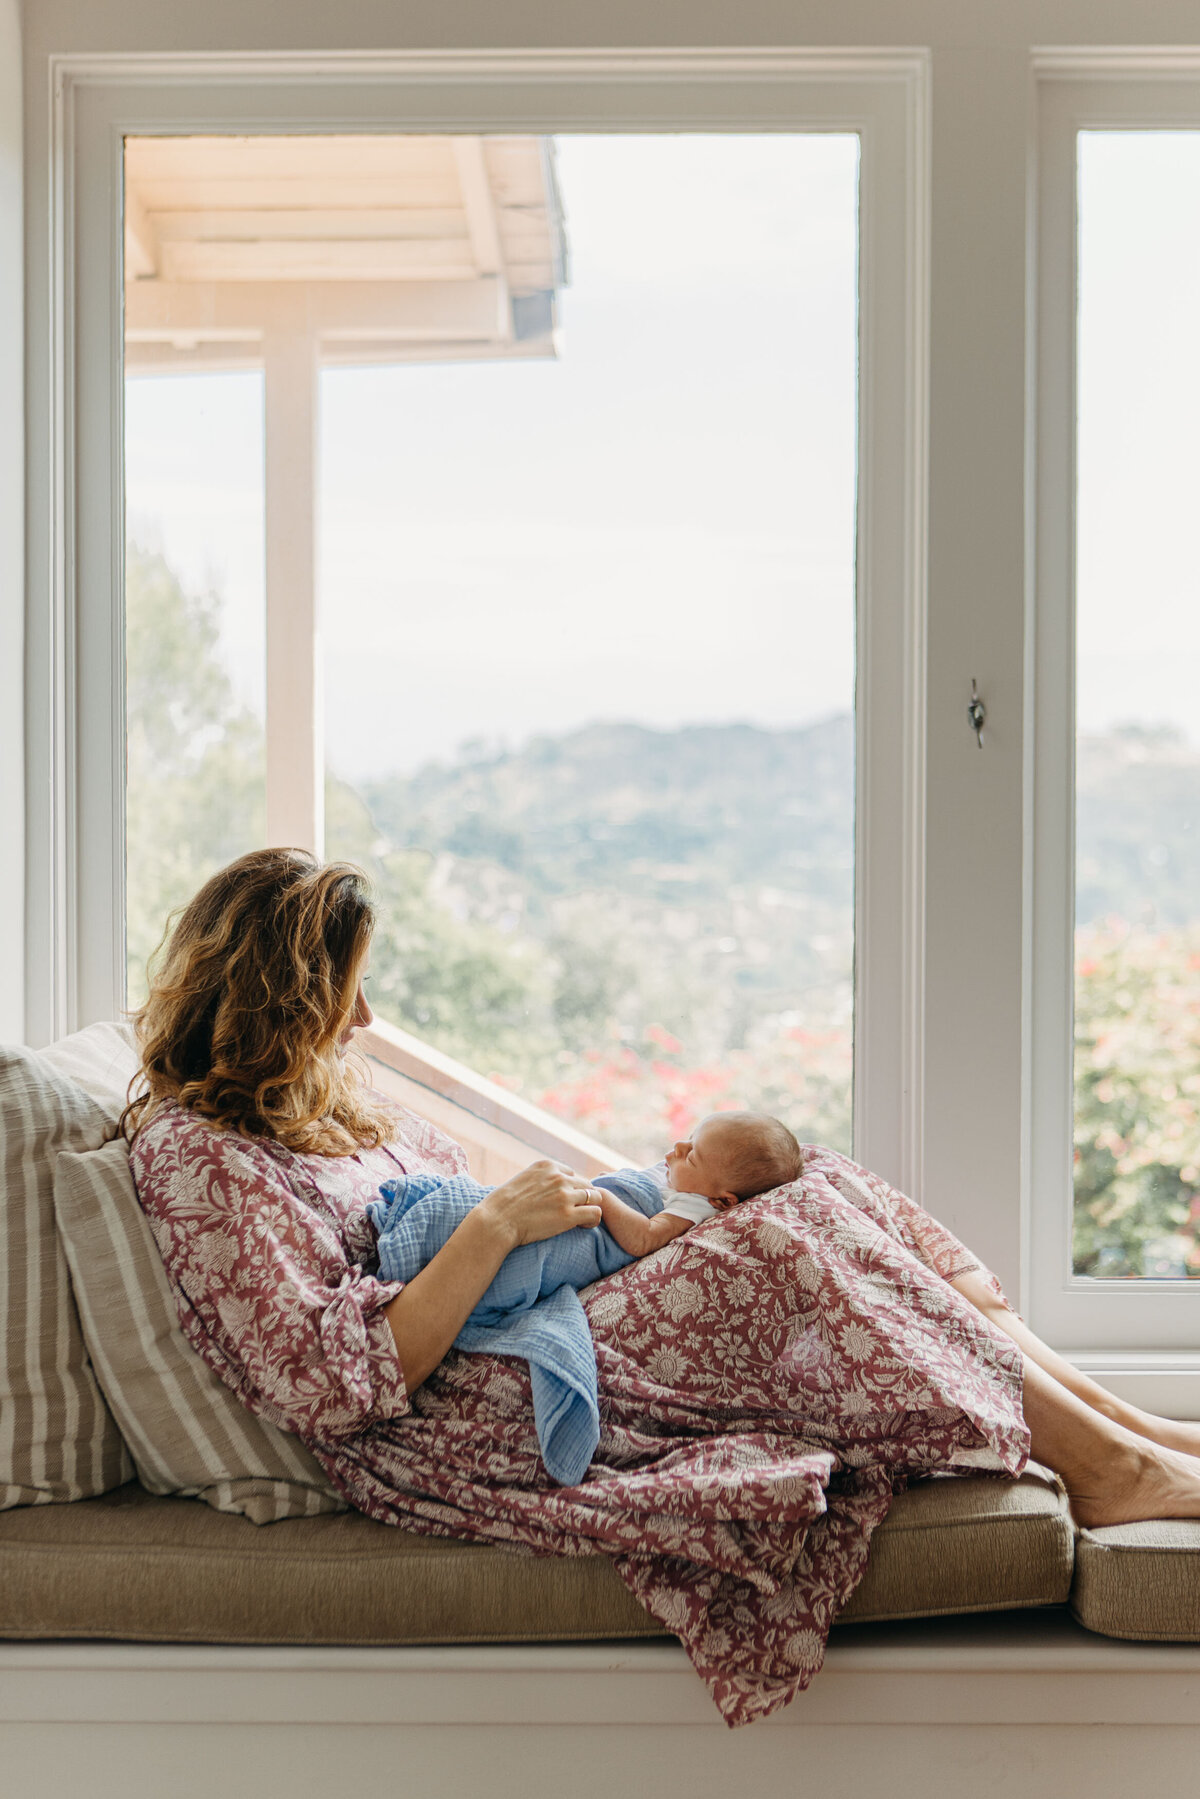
<point x="1138" y="828"/>
<point x="627" y="807"/>
<point x="684" y="816"/>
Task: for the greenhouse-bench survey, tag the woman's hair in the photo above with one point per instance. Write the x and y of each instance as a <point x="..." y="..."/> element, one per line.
<point x="248" y="998"/>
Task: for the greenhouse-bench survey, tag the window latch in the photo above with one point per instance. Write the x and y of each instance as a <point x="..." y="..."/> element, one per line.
<point x="976" y="713"/>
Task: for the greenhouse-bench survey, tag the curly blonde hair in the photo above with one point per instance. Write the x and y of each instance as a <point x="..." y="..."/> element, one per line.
<point x="249" y="996"/>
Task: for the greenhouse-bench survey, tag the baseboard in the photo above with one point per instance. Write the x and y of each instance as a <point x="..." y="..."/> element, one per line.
<point x="1166" y="1384"/>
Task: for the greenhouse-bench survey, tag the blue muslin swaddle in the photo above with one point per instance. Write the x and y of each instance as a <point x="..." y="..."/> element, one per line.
<point x="532" y="1308"/>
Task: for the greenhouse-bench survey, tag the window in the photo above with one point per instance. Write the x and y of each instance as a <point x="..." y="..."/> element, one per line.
<point x="964" y="1032"/>
<point x="589" y="624"/>
<point x="885" y="561"/>
<point x="1137" y="757"/>
<point x="1116" y="1009"/>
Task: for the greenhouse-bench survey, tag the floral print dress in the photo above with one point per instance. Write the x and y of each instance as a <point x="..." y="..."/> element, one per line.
<point x="766" y="1382"/>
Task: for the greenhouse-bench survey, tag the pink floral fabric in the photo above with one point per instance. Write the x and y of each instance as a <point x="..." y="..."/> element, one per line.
<point x="766" y="1382"/>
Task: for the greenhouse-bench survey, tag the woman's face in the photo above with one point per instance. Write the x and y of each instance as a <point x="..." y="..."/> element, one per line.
<point x="360" y="1016"/>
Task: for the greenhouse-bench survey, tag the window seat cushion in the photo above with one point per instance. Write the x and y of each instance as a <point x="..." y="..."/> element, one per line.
<point x="1140" y="1581"/>
<point x="137" y="1567"/>
<point x="981" y="1545"/>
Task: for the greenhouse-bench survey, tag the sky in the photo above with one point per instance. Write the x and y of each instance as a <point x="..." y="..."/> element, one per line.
<point x="513" y="548"/>
<point x="1138" y="450"/>
<point x="658" y="524"/>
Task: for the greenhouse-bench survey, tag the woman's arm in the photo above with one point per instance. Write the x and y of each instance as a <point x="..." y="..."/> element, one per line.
<point x="428" y="1314"/>
<point x="637" y="1234"/>
<point x="263" y="1287"/>
<point x="267" y="1297"/>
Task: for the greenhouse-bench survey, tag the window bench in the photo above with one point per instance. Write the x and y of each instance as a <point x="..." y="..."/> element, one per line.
<point x="1027" y="1697"/>
<point x="249" y="1655"/>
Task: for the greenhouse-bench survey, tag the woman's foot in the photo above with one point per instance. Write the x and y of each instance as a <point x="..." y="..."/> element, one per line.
<point x="1141" y="1480"/>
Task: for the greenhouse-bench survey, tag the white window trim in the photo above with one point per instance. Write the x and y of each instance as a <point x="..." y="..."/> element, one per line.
<point x="75" y="941"/>
<point x="1149" y="1331"/>
<point x="12" y="528"/>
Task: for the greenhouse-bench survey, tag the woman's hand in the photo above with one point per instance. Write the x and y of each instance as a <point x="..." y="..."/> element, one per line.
<point x="539" y="1202"/>
<point x="543" y="1200"/>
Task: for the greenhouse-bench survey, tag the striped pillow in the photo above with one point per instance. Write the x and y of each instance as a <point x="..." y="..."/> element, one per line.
<point x="57" y="1438"/>
<point x="187" y="1431"/>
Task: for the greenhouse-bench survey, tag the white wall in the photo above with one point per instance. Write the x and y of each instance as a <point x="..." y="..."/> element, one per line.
<point x="981" y="140"/>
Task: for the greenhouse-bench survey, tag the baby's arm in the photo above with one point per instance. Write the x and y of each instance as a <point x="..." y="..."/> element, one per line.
<point x="636" y="1234"/>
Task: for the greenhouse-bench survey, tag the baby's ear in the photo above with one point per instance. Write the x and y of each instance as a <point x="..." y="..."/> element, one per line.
<point x="724" y="1202"/>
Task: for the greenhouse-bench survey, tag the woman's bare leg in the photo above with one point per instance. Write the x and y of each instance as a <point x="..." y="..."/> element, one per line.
<point x="1114" y="1471"/>
<point x="1168" y="1433"/>
<point x="1112" y="1476"/>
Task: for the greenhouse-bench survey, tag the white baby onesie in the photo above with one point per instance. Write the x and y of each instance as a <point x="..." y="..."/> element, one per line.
<point x="692" y="1206"/>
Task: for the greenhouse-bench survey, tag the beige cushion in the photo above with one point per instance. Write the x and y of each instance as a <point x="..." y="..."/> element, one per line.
<point x="168" y="1570"/>
<point x="981" y="1545"/>
<point x="188" y="1433"/>
<point x="1140" y="1580"/>
<point x="102" y="1059"/>
<point x="57" y="1439"/>
<point x="129" y="1566"/>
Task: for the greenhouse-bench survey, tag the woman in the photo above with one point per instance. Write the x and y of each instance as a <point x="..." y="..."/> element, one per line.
<point x="765" y="1383"/>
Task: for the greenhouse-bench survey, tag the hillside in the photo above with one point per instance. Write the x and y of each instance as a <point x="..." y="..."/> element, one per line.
<point x="620" y="806"/>
<point x="631" y="925"/>
<point x="1138" y="844"/>
<point x="638" y="885"/>
<point x="624" y="808"/>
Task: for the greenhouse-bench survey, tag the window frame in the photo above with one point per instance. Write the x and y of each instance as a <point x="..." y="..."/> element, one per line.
<point x="76" y="884"/>
<point x="1133" y="1332"/>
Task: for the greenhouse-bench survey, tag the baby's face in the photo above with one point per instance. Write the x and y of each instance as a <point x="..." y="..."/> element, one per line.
<point x="701" y="1163"/>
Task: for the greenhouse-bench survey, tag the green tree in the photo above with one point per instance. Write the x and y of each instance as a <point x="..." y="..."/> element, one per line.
<point x="195" y="799"/>
<point x="195" y="773"/>
<point x="1137" y="1099"/>
<point x="460" y="985"/>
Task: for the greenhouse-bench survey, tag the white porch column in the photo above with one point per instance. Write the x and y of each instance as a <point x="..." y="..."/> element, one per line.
<point x="295" y="710"/>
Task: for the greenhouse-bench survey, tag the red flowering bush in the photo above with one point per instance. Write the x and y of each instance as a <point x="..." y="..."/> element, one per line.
<point x="642" y="1099"/>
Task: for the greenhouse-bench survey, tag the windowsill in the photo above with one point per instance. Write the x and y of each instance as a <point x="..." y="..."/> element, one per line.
<point x="1014" y="1668"/>
<point x="1164" y="1381"/>
<point x="501" y="1131"/>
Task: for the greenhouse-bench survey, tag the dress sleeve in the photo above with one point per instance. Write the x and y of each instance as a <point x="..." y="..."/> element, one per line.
<point x="263" y="1286"/>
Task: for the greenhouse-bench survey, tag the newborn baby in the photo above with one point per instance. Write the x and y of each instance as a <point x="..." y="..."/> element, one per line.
<point x="729" y="1157"/>
<point x="532" y="1307"/>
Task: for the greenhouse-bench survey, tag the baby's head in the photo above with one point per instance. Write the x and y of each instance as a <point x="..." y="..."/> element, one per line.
<point x="732" y="1156"/>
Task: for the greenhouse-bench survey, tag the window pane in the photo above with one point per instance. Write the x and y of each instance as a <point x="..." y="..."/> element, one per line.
<point x="194" y="637"/>
<point x="588" y="604"/>
<point x="1137" y="994"/>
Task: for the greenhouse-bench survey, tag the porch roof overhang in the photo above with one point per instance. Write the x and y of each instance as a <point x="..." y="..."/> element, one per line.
<point x="381" y="249"/>
<point x="294" y="253"/>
